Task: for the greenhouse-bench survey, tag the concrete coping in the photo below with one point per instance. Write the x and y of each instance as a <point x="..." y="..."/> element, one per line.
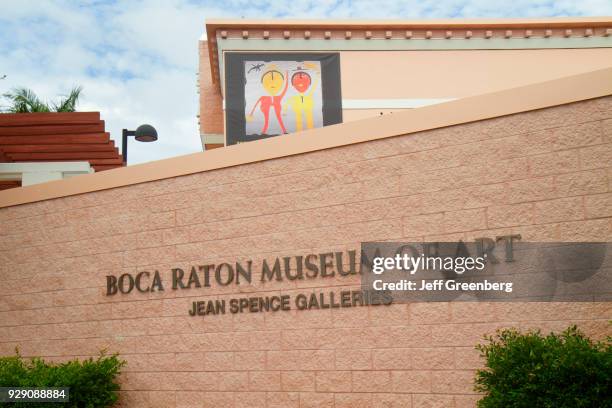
<point x="41" y="172"/>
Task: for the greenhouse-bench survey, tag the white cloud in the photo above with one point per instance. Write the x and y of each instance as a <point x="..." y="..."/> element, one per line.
<point x="137" y="59"/>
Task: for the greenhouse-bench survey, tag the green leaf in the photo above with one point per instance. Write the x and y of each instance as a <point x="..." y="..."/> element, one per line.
<point x="558" y="370"/>
<point x="93" y="383"/>
<point x="24" y="100"/>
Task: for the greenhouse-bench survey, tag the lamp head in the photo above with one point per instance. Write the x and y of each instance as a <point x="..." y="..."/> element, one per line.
<point x="146" y="133"/>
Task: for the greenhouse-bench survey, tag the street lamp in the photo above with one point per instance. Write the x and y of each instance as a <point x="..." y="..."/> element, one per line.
<point x="144" y="133"/>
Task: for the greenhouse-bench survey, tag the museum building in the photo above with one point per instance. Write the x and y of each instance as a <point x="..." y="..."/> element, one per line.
<point x="230" y="277"/>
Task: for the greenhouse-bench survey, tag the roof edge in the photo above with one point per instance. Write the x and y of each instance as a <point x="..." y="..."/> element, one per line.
<point x="214" y="26"/>
<point x="550" y="22"/>
<point x="589" y="85"/>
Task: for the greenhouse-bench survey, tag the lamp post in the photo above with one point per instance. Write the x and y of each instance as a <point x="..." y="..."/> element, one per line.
<point x="143" y="133"/>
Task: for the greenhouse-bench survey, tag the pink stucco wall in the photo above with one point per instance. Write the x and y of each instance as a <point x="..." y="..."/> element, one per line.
<point x="544" y="174"/>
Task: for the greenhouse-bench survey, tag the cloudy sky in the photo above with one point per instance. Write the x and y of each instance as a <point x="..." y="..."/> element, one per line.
<point x="137" y="60"/>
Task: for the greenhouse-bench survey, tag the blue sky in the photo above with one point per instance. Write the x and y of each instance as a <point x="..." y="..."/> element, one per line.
<point x="137" y="60"/>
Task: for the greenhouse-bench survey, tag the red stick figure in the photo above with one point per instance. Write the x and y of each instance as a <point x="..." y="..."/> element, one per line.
<point x="272" y="81"/>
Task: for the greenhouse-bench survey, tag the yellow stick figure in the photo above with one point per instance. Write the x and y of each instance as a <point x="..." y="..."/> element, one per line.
<point x="303" y="104"/>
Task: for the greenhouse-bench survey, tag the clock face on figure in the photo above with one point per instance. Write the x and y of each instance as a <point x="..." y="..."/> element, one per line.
<point x="272" y="82"/>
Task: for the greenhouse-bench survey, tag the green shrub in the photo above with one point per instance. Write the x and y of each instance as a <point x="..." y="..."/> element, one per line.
<point x="556" y="371"/>
<point x="92" y="382"/>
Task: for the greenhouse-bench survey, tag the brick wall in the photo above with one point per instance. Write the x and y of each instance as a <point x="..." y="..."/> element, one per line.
<point x="211" y="101"/>
<point x="544" y="174"/>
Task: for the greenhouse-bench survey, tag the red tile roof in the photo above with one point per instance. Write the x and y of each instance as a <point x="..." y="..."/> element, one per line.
<point x="74" y="136"/>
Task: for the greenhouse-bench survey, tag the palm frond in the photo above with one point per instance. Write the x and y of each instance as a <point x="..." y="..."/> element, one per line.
<point x="68" y="104"/>
<point x="24" y="100"/>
